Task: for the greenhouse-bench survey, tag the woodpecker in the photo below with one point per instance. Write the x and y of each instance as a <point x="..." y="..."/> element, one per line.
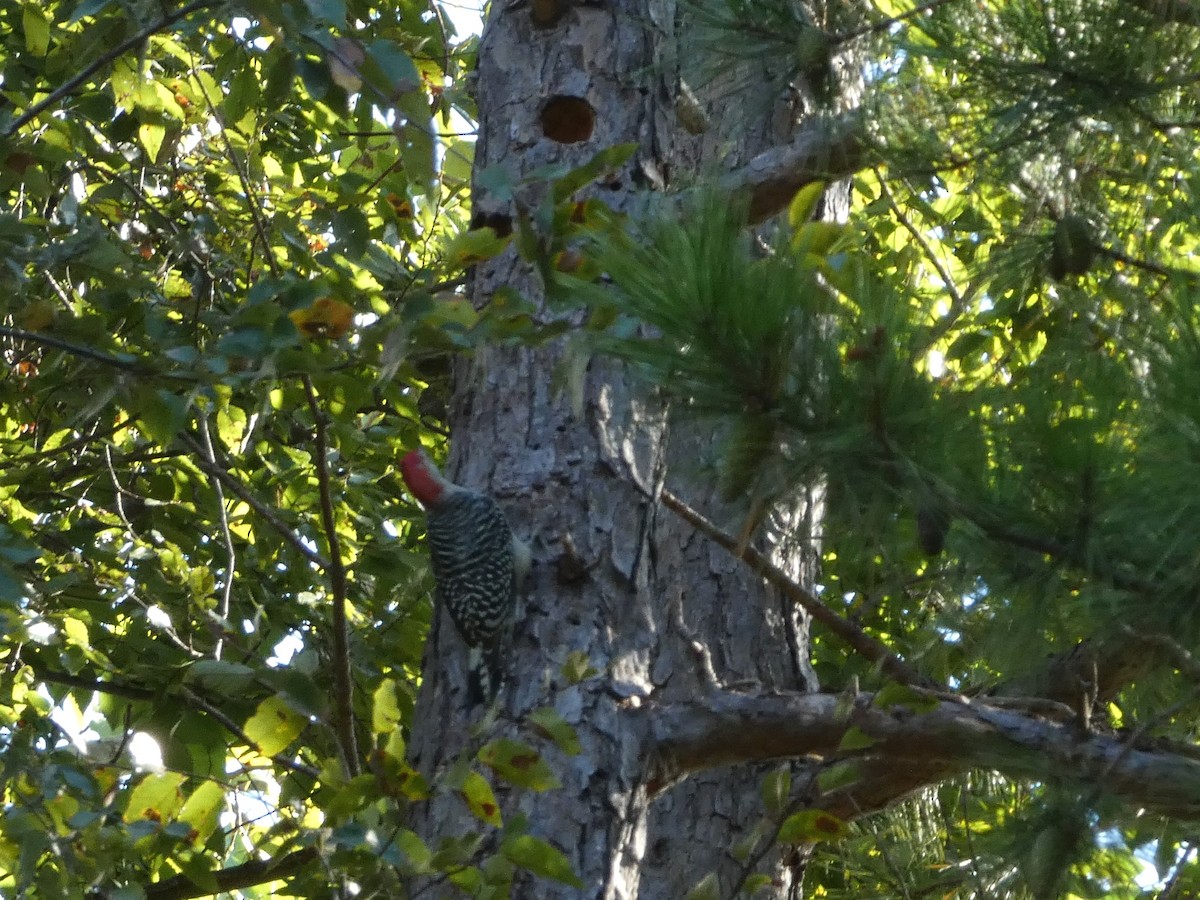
<point x="478" y="566"/>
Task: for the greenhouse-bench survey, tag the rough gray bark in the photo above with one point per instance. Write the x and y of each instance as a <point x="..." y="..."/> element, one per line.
<point x="660" y="611"/>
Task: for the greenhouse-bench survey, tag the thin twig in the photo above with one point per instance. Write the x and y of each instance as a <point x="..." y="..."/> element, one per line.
<point x="226" y="533"/>
<point x="270" y="515"/>
<point x="958" y="301"/>
<point x="45" y="340"/>
<point x="77" y="444"/>
<point x="187" y="695"/>
<point x="252" y="203"/>
<point x="233" y="728"/>
<point x="849" y="633"/>
<point x="343" y="709"/>
<point x="69" y="87"/>
<point x="801" y="798"/>
<point x="891" y="21"/>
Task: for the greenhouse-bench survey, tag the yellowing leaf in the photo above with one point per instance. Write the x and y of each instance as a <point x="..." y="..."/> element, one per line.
<point x="203" y="809"/>
<point x="817" y="237"/>
<point x="326" y="317"/>
<point x="76" y="632"/>
<point x="801" y="208"/>
<point x="385" y="712"/>
<point x="811" y="825"/>
<point x="151" y="136"/>
<point x="156" y="797"/>
<point x="274" y="725"/>
<point x="480" y="799"/>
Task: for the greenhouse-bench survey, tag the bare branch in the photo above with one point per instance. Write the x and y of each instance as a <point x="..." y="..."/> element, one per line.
<point x="825" y="151"/>
<point x="249" y="874"/>
<point x="909" y="748"/>
<point x="343" y="709"/>
<point x="45" y="340"/>
<point x="226" y="532"/>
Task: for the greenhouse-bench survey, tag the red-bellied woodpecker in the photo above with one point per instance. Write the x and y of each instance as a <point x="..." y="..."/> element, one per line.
<point x="478" y="567"/>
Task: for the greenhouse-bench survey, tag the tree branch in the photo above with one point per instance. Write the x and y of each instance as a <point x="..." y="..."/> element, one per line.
<point x="270" y="515"/>
<point x="249" y="874"/>
<point x="188" y="696"/>
<point x="1179" y="12"/>
<point x="45" y="340"/>
<point x="826" y="151"/>
<point x="343" y="709"/>
<point x="71" y="85"/>
<point x="910" y="749"/>
<point x="848" y="632"/>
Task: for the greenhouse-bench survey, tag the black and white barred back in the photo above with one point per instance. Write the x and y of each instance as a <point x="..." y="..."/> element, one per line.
<point x="470" y="548"/>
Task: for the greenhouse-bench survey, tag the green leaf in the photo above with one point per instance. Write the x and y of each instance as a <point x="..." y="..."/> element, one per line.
<point x="352" y="797"/>
<point x="161" y="413"/>
<point x="202" y="810"/>
<point x="415" y="852"/>
<point x="151" y="136"/>
<point x="811" y="825"/>
<point x="274" y="726"/>
<point x="776" y="788"/>
<point x="385" y="711"/>
<point x="37" y="29"/>
<point x="518" y="764"/>
<point x="604" y="161"/>
<point x="227" y="678"/>
<point x="755" y="883"/>
<point x="540" y="858"/>
<point x="389" y="70"/>
<point x="895" y="694"/>
<point x="578" y="667"/>
<point x="243" y="94"/>
<point x="840" y="775"/>
<point x="707" y="888"/>
<point x="157" y="798"/>
<point x="480" y="799"/>
<point x="855" y="739"/>
<point x="476" y="245"/>
<point x="549" y="724"/>
<point x="16" y="549"/>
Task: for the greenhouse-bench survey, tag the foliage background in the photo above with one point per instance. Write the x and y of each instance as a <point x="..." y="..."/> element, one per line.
<point x="231" y="241"/>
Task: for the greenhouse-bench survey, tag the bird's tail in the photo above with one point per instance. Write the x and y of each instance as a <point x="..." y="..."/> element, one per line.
<point x="485" y="674"/>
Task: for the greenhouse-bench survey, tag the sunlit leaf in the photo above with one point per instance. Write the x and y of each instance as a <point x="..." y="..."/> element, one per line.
<point x="477" y="794"/>
<point x="540" y="858"/>
<point x="274" y="726"/>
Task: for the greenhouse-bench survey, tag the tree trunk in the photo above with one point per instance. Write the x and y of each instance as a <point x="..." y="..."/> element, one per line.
<point x="659" y="611"/>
